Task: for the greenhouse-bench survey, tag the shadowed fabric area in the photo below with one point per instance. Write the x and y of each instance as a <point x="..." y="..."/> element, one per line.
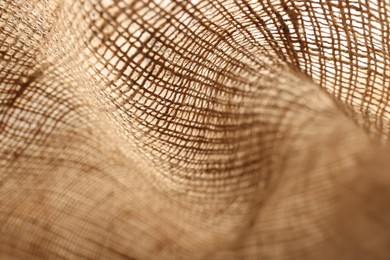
<point x="194" y="129"/>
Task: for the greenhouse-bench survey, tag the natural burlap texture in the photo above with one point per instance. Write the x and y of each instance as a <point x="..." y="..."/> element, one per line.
<point x="202" y="129"/>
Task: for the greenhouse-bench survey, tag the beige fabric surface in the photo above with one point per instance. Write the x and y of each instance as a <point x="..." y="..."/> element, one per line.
<point x="202" y="129"/>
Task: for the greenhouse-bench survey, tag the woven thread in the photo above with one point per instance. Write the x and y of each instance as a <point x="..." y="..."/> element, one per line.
<point x="213" y="129"/>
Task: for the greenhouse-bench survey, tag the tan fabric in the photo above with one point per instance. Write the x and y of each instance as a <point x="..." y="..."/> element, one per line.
<point x="202" y="129"/>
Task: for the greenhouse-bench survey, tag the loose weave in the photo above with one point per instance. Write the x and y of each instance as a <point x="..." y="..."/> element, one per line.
<point x="194" y="129"/>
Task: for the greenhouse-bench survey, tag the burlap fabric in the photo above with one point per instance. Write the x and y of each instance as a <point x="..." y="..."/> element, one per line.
<point x="202" y="129"/>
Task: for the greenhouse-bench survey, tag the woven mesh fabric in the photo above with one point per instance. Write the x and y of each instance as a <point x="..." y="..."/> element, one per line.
<point x="202" y="129"/>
